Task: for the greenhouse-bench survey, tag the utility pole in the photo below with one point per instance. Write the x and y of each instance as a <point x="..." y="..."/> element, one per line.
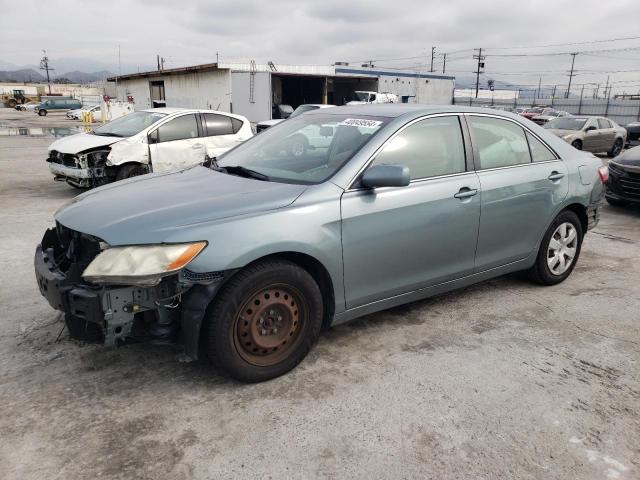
<point x="158" y="60"/>
<point x="433" y="54"/>
<point x="539" y="85"/>
<point x="595" y="92"/>
<point x="44" y="65"/>
<point x="444" y="61"/>
<point x="480" y="59"/>
<point x="571" y="74"/>
<point x="606" y="87"/>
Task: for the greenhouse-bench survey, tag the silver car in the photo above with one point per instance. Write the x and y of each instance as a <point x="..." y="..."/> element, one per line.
<point x="592" y="134"/>
<point x="244" y="263"/>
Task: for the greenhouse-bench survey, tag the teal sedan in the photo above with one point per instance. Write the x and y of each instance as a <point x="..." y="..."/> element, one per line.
<point x="244" y="261"/>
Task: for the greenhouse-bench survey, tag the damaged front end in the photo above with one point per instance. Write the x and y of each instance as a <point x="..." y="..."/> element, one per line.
<point x="167" y="307"/>
<point x="83" y="170"/>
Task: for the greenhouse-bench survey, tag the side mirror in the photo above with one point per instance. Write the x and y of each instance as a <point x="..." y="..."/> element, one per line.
<point x="386" y="176"/>
<point x="590" y="128"/>
<point x="326" y="131"/>
<point x="152" y="137"/>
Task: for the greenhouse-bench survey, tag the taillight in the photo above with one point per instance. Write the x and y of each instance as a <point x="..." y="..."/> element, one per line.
<point x="604" y="174"/>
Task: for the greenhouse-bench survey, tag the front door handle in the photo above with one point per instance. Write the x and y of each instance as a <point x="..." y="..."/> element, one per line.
<point x="196" y="145"/>
<point x="555" y="176"/>
<point x="466" y="192"/>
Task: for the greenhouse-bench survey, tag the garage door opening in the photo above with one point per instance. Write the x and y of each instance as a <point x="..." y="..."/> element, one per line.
<point x="295" y="90"/>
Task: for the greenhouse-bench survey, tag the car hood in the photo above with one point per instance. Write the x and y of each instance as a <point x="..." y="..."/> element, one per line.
<point x="629" y="158"/>
<point x="270" y="123"/>
<point x="562" y="133"/>
<point x="151" y="208"/>
<point x="81" y="142"/>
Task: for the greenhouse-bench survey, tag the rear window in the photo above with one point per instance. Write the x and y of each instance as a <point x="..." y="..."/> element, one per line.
<point x="604" y="123"/>
<point x="217" y="124"/>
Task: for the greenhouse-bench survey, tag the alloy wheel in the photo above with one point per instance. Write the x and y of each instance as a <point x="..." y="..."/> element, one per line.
<point x="562" y="248"/>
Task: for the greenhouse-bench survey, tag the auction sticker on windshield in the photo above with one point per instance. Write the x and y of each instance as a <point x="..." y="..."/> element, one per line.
<point x="360" y="122"/>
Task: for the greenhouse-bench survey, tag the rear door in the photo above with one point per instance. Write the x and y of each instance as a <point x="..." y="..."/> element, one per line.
<point x="222" y="133"/>
<point x="522" y="181"/>
<point x="400" y="239"/>
<point x="176" y="144"/>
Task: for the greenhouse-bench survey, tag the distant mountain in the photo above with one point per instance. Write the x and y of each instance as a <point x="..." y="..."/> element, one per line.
<point x="22" y="75"/>
<point x="83" y="77"/>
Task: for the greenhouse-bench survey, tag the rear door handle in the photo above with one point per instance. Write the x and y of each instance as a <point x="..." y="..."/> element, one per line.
<point x="555" y="176"/>
<point x="466" y="192"/>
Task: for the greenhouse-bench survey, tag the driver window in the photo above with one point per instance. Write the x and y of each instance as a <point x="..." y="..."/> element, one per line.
<point x="430" y="148"/>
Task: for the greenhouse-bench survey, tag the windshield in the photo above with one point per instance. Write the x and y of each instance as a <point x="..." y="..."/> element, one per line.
<point x="303" y="108"/>
<point x="129" y="125"/>
<point x="306" y="149"/>
<point x="361" y="96"/>
<point x="566" y="123"/>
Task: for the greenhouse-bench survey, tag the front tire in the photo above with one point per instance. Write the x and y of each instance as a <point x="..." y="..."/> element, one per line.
<point x="131" y="170"/>
<point x="42" y="113"/>
<point x="559" y="250"/>
<point x="80" y="329"/>
<point x="264" y="321"/>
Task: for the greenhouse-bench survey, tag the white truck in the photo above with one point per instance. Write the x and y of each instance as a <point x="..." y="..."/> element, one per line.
<point x="361" y="97"/>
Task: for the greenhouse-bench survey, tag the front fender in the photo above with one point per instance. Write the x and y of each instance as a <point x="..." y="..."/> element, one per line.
<point x="134" y="149"/>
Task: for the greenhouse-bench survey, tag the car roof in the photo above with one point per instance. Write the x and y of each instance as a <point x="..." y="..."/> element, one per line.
<point x="393" y="110"/>
<point x="173" y="110"/>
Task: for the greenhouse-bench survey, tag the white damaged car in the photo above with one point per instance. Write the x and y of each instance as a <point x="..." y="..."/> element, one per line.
<point x="154" y="140"/>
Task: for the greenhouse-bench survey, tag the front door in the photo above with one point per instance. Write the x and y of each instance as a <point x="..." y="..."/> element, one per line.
<point x="523" y="183"/>
<point x="592" y="142"/>
<point x="400" y="239"/>
<point x="176" y="144"/>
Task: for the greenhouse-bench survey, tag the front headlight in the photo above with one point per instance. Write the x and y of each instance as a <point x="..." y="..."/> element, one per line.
<point x="141" y="265"/>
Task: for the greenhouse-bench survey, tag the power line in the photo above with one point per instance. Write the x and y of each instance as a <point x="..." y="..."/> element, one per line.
<point x="567" y="44"/>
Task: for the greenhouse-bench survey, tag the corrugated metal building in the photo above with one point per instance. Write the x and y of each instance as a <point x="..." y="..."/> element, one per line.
<point x="253" y="90"/>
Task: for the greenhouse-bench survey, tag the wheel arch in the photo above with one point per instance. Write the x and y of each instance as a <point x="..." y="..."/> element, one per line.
<point x="581" y="211"/>
<point x="318" y="272"/>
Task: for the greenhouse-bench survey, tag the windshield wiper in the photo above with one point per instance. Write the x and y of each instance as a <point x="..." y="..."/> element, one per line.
<point x="243" y="172"/>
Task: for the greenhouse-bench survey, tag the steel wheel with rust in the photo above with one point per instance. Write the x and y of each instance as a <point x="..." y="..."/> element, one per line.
<point x="264" y="321"/>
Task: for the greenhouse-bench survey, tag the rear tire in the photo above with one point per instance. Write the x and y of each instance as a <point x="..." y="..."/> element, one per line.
<point x="263" y="322"/>
<point x="577" y="144"/>
<point x="553" y="264"/>
<point x="616" y="148"/>
<point x="131" y="170"/>
<point x="42" y="113"/>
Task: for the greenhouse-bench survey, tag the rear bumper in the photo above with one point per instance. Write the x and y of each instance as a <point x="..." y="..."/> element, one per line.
<point x="593" y="215"/>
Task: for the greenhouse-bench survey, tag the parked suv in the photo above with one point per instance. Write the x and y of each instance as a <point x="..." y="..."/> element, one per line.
<point x="158" y="140"/>
<point x="57" y="104"/>
<point x="244" y="263"/>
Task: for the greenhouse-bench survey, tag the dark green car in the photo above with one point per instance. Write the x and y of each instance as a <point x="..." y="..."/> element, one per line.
<point x="57" y="104"/>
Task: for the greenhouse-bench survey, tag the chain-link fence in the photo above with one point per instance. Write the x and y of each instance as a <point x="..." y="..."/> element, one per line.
<point x="621" y="111"/>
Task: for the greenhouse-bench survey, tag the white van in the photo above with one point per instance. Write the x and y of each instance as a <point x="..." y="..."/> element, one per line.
<point x="154" y="140"/>
<point x="363" y="97"/>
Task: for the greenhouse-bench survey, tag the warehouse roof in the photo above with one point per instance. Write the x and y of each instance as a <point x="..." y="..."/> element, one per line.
<point x="168" y="71"/>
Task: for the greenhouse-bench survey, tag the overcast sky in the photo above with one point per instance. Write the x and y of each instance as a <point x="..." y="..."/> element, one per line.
<point x="323" y="31"/>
